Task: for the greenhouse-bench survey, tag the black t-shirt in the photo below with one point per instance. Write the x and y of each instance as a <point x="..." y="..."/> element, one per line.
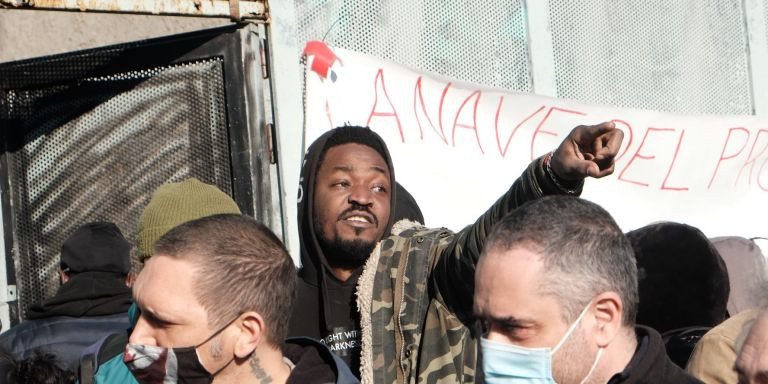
<point x="343" y="336"/>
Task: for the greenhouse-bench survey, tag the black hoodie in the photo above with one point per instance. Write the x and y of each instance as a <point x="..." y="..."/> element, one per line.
<point x="86" y="294"/>
<point x="682" y="280"/>
<point x="89" y="306"/>
<point x="325" y="308"/>
<point x="650" y="363"/>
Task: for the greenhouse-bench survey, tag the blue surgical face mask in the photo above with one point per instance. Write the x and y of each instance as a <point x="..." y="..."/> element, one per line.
<point x="509" y="363"/>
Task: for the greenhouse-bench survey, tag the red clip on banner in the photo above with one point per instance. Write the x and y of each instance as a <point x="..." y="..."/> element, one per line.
<point x="322" y="59"/>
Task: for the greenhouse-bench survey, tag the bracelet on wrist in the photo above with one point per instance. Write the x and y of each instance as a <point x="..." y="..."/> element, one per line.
<point x="555" y="178"/>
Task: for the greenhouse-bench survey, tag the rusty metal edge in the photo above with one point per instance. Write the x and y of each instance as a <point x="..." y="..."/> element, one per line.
<point x="250" y="10"/>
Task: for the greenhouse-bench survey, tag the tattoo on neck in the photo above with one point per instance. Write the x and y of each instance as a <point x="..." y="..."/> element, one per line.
<point x="258" y="371"/>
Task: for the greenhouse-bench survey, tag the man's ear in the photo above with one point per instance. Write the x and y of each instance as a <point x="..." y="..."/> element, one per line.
<point x="130" y="278"/>
<point x="252" y="331"/>
<point x="608" y="317"/>
<point x="63" y="276"/>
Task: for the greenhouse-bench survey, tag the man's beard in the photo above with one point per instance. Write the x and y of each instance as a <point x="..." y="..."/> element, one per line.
<point x="345" y="253"/>
<point x="342" y="253"/>
<point x="574" y="359"/>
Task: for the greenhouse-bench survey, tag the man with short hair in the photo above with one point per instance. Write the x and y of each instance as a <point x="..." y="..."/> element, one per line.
<point x="556" y="286"/>
<point x="170" y="205"/>
<point x="92" y="302"/>
<point x="395" y="299"/>
<point x="215" y="301"/>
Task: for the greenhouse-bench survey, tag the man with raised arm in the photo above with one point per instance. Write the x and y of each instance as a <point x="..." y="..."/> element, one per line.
<point x="395" y="299"/>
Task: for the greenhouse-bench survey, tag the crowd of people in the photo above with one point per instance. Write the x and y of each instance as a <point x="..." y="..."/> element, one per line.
<point x="543" y="287"/>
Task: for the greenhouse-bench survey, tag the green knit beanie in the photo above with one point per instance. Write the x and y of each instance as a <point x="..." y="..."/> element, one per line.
<point x="176" y="203"/>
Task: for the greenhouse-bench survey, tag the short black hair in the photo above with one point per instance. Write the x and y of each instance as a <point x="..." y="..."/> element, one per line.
<point x="40" y="367"/>
<point x="354" y="134"/>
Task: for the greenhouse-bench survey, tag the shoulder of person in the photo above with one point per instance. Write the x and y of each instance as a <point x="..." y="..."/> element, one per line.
<point x="407" y="229"/>
<point x="102" y="362"/>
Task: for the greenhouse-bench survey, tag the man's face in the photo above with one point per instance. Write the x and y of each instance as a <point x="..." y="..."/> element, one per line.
<point x="508" y="299"/>
<point x="171" y="316"/>
<point x="351" y="201"/>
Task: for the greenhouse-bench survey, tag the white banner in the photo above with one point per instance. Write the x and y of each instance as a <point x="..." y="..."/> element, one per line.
<point x="457" y="147"/>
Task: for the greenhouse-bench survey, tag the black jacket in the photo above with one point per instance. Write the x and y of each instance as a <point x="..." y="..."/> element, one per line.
<point x="89" y="306"/>
<point x="650" y="364"/>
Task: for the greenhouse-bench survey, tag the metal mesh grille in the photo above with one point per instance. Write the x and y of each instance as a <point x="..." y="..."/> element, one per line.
<point x="483" y="44"/>
<point x="684" y="56"/>
<point x="97" y="149"/>
<point x="57" y="69"/>
<point x="765" y="21"/>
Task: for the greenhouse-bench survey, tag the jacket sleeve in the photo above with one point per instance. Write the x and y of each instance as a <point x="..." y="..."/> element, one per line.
<point x="453" y="275"/>
<point x="712" y="360"/>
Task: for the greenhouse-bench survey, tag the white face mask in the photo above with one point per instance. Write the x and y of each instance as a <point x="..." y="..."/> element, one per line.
<point x="509" y="363"/>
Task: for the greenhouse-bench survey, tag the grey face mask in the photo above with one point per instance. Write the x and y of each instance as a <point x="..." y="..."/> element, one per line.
<point x="151" y="364"/>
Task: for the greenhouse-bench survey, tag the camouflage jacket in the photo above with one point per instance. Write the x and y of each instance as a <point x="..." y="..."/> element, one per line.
<point x="415" y="295"/>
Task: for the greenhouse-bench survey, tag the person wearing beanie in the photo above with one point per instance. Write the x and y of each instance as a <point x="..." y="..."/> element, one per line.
<point x="171" y="205"/>
<point x="683" y="280"/>
<point x="683" y="284"/>
<point x="92" y="302"/>
<point x="177" y="203"/>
